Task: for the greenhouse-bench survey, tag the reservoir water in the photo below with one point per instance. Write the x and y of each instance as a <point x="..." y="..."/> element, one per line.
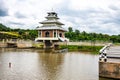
<point x="36" y="64"/>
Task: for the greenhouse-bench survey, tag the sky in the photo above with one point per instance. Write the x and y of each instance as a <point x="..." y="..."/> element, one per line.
<point x="100" y="16"/>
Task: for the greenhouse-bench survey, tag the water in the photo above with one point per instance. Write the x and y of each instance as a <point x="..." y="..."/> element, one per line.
<point x="30" y="64"/>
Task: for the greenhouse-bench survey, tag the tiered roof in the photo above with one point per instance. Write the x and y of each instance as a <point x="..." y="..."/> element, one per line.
<point x="51" y="22"/>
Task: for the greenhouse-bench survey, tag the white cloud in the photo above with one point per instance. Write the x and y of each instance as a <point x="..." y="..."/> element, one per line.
<point x="85" y="4"/>
<point x="92" y="16"/>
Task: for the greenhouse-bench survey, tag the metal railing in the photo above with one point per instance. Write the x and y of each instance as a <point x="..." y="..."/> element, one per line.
<point x="103" y="52"/>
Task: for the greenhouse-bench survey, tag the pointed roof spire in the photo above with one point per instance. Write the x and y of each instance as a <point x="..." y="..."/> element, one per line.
<point x="52" y="15"/>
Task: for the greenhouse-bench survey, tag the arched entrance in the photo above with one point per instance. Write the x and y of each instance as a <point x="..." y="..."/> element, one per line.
<point x="47" y="34"/>
<point x="60" y="34"/>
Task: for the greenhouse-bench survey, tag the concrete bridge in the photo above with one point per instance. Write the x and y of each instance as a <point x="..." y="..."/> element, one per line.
<point x="109" y="61"/>
<point x="16" y="43"/>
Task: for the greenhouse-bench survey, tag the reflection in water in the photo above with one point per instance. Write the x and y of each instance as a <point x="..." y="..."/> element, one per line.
<point x="30" y="64"/>
<point x="51" y="63"/>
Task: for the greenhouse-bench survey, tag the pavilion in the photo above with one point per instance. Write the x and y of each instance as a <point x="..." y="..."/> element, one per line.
<point x="51" y="31"/>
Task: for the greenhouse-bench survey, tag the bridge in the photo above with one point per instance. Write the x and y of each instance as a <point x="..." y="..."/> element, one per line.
<point x="109" y="61"/>
<point x="16" y="43"/>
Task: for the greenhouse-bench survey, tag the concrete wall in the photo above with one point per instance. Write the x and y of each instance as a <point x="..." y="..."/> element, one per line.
<point x="19" y="44"/>
<point x="80" y="43"/>
<point x="109" y="70"/>
<point x="3" y="44"/>
<point x="24" y="45"/>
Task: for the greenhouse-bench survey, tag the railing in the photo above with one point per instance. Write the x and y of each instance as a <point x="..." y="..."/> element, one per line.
<point x="103" y="53"/>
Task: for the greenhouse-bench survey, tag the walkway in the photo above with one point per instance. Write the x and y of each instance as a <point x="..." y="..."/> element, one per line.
<point x="111" y="52"/>
<point x="109" y="62"/>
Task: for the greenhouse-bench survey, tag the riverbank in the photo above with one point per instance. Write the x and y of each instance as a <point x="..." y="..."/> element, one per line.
<point x="71" y="46"/>
<point x="93" y="49"/>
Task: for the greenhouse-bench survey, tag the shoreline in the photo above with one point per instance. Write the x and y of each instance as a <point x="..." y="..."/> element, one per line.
<point x="93" y="49"/>
<point x="71" y="48"/>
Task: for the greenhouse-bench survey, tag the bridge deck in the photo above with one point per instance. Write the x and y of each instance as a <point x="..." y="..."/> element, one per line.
<point x="113" y="54"/>
<point x="113" y="51"/>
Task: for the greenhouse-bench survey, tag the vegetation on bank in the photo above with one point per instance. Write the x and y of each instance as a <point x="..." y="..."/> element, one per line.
<point x="72" y="35"/>
<point x="38" y="45"/>
<point x="93" y="49"/>
<point x="8" y="33"/>
<point x="81" y="36"/>
<point x="75" y="36"/>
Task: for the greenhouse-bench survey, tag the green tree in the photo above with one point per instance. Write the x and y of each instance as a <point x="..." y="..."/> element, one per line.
<point x="77" y="32"/>
<point x="70" y="29"/>
<point x="33" y="34"/>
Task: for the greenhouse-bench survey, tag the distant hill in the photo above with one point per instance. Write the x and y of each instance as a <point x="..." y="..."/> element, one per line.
<point x="4" y="28"/>
<point x="9" y="33"/>
<point x="5" y="32"/>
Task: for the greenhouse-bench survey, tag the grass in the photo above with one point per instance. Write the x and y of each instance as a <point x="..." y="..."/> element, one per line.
<point x="12" y="34"/>
<point x="117" y="44"/>
<point x="93" y="49"/>
<point x="38" y="45"/>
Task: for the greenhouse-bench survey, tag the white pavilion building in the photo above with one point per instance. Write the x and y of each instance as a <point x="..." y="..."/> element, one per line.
<point x="51" y="31"/>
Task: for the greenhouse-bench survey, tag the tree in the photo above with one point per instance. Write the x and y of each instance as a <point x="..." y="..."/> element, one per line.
<point x="4" y="28"/>
<point x="33" y="34"/>
<point x="20" y="31"/>
<point x="70" y="29"/>
<point x="77" y="32"/>
<point x="84" y="33"/>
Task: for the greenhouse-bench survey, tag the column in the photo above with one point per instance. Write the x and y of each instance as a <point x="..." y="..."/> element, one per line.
<point x="53" y="33"/>
<point x="41" y="33"/>
<point x="38" y="33"/>
<point x="63" y="35"/>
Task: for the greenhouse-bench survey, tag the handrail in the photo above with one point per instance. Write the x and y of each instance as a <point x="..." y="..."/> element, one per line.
<point x="103" y="53"/>
<point x="104" y="48"/>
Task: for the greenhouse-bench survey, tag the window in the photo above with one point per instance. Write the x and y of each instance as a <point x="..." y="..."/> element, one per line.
<point x="54" y="34"/>
<point x="60" y="34"/>
<point x="47" y="34"/>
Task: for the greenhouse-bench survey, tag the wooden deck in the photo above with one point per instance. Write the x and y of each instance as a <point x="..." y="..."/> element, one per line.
<point x="113" y="52"/>
<point x="110" y="53"/>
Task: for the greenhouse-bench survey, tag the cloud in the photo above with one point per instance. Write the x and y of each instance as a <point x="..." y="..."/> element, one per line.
<point x="3" y="13"/>
<point x="3" y="9"/>
<point x="100" y="16"/>
<point x="20" y="15"/>
<point x="93" y="17"/>
<point x="17" y="23"/>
